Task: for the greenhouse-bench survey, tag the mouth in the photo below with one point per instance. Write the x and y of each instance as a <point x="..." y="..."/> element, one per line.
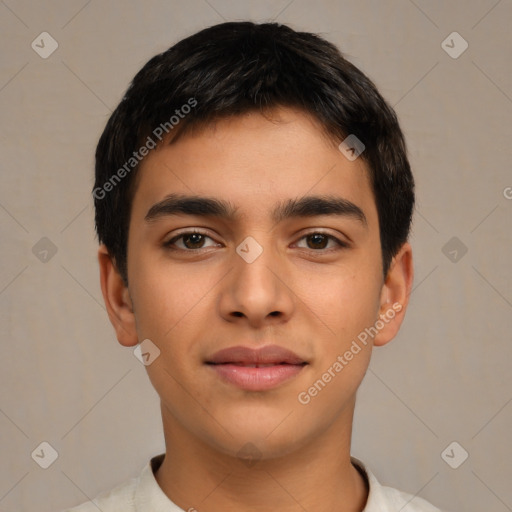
<point x="256" y="369"/>
<point x="256" y="365"/>
<point x="264" y="356"/>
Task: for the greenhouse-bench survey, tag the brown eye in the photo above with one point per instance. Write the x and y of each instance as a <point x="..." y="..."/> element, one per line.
<point x="193" y="240"/>
<point x="317" y="241"/>
<point x="320" y="241"/>
<point x="189" y="241"/>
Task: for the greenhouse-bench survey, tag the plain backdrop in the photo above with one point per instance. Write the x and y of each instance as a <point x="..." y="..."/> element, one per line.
<point x="445" y="379"/>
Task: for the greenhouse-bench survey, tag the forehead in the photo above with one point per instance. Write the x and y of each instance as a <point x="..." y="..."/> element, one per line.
<point x="254" y="162"/>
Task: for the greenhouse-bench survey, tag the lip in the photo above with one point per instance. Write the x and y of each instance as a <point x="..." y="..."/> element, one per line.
<point x="243" y="356"/>
<point x="256" y="369"/>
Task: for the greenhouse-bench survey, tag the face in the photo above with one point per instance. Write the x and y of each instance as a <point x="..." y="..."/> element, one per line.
<point x="267" y="263"/>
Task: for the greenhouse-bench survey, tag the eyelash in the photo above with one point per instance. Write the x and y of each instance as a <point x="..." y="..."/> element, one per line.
<point x="168" y="244"/>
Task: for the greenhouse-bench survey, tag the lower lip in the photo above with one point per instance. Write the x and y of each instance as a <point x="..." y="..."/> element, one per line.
<point x="257" y="379"/>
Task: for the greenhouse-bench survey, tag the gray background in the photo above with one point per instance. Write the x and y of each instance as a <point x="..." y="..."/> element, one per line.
<point x="65" y="379"/>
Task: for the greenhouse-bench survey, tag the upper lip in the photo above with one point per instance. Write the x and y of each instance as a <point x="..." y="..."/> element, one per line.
<point x="269" y="354"/>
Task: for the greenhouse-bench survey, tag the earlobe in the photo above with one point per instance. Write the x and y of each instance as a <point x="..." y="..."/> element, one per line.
<point x="395" y="295"/>
<point x="117" y="300"/>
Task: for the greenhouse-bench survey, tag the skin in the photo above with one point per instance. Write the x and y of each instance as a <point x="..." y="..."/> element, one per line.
<point x="314" y="301"/>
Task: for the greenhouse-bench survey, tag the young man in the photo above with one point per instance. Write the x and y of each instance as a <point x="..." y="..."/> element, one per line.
<point x="253" y="202"/>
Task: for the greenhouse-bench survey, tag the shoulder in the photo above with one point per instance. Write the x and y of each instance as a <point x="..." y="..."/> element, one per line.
<point x="139" y="493"/>
<point x="119" y="498"/>
<point x="387" y="499"/>
<point x="406" y="502"/>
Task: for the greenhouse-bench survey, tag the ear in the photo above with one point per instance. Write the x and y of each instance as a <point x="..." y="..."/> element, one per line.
<point x="395" y="295"/>
<point x="117" y="300"/>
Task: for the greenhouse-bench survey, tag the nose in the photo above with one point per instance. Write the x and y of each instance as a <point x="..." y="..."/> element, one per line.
<point x="256" y="291"/>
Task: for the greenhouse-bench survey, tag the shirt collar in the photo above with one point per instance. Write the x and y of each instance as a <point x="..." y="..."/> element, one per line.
<point x="148" y="494"/>
<point x="377" y="501"/>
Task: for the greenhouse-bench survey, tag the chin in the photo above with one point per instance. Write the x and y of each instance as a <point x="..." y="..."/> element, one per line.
<point x="260" y="440"/>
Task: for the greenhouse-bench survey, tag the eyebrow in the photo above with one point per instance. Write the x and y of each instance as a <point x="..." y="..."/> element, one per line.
<point x="308" y="206"/>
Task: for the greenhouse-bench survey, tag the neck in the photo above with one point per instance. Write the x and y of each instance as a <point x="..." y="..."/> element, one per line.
<point x="317" y="476"/>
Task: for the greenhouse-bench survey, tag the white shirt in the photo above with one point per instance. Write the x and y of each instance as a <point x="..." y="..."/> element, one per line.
<point x="143" y="494"/>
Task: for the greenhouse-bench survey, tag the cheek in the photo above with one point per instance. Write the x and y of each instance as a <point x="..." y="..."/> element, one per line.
<point x="345" y="302"/>
<point x="164" y="294"/>
<point x="346" y="306"/>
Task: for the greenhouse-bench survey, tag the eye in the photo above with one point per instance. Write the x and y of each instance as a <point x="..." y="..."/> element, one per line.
<point x="320" y="241"/>
<point x="195" y="240"/>
<point x="189" y="241"/>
